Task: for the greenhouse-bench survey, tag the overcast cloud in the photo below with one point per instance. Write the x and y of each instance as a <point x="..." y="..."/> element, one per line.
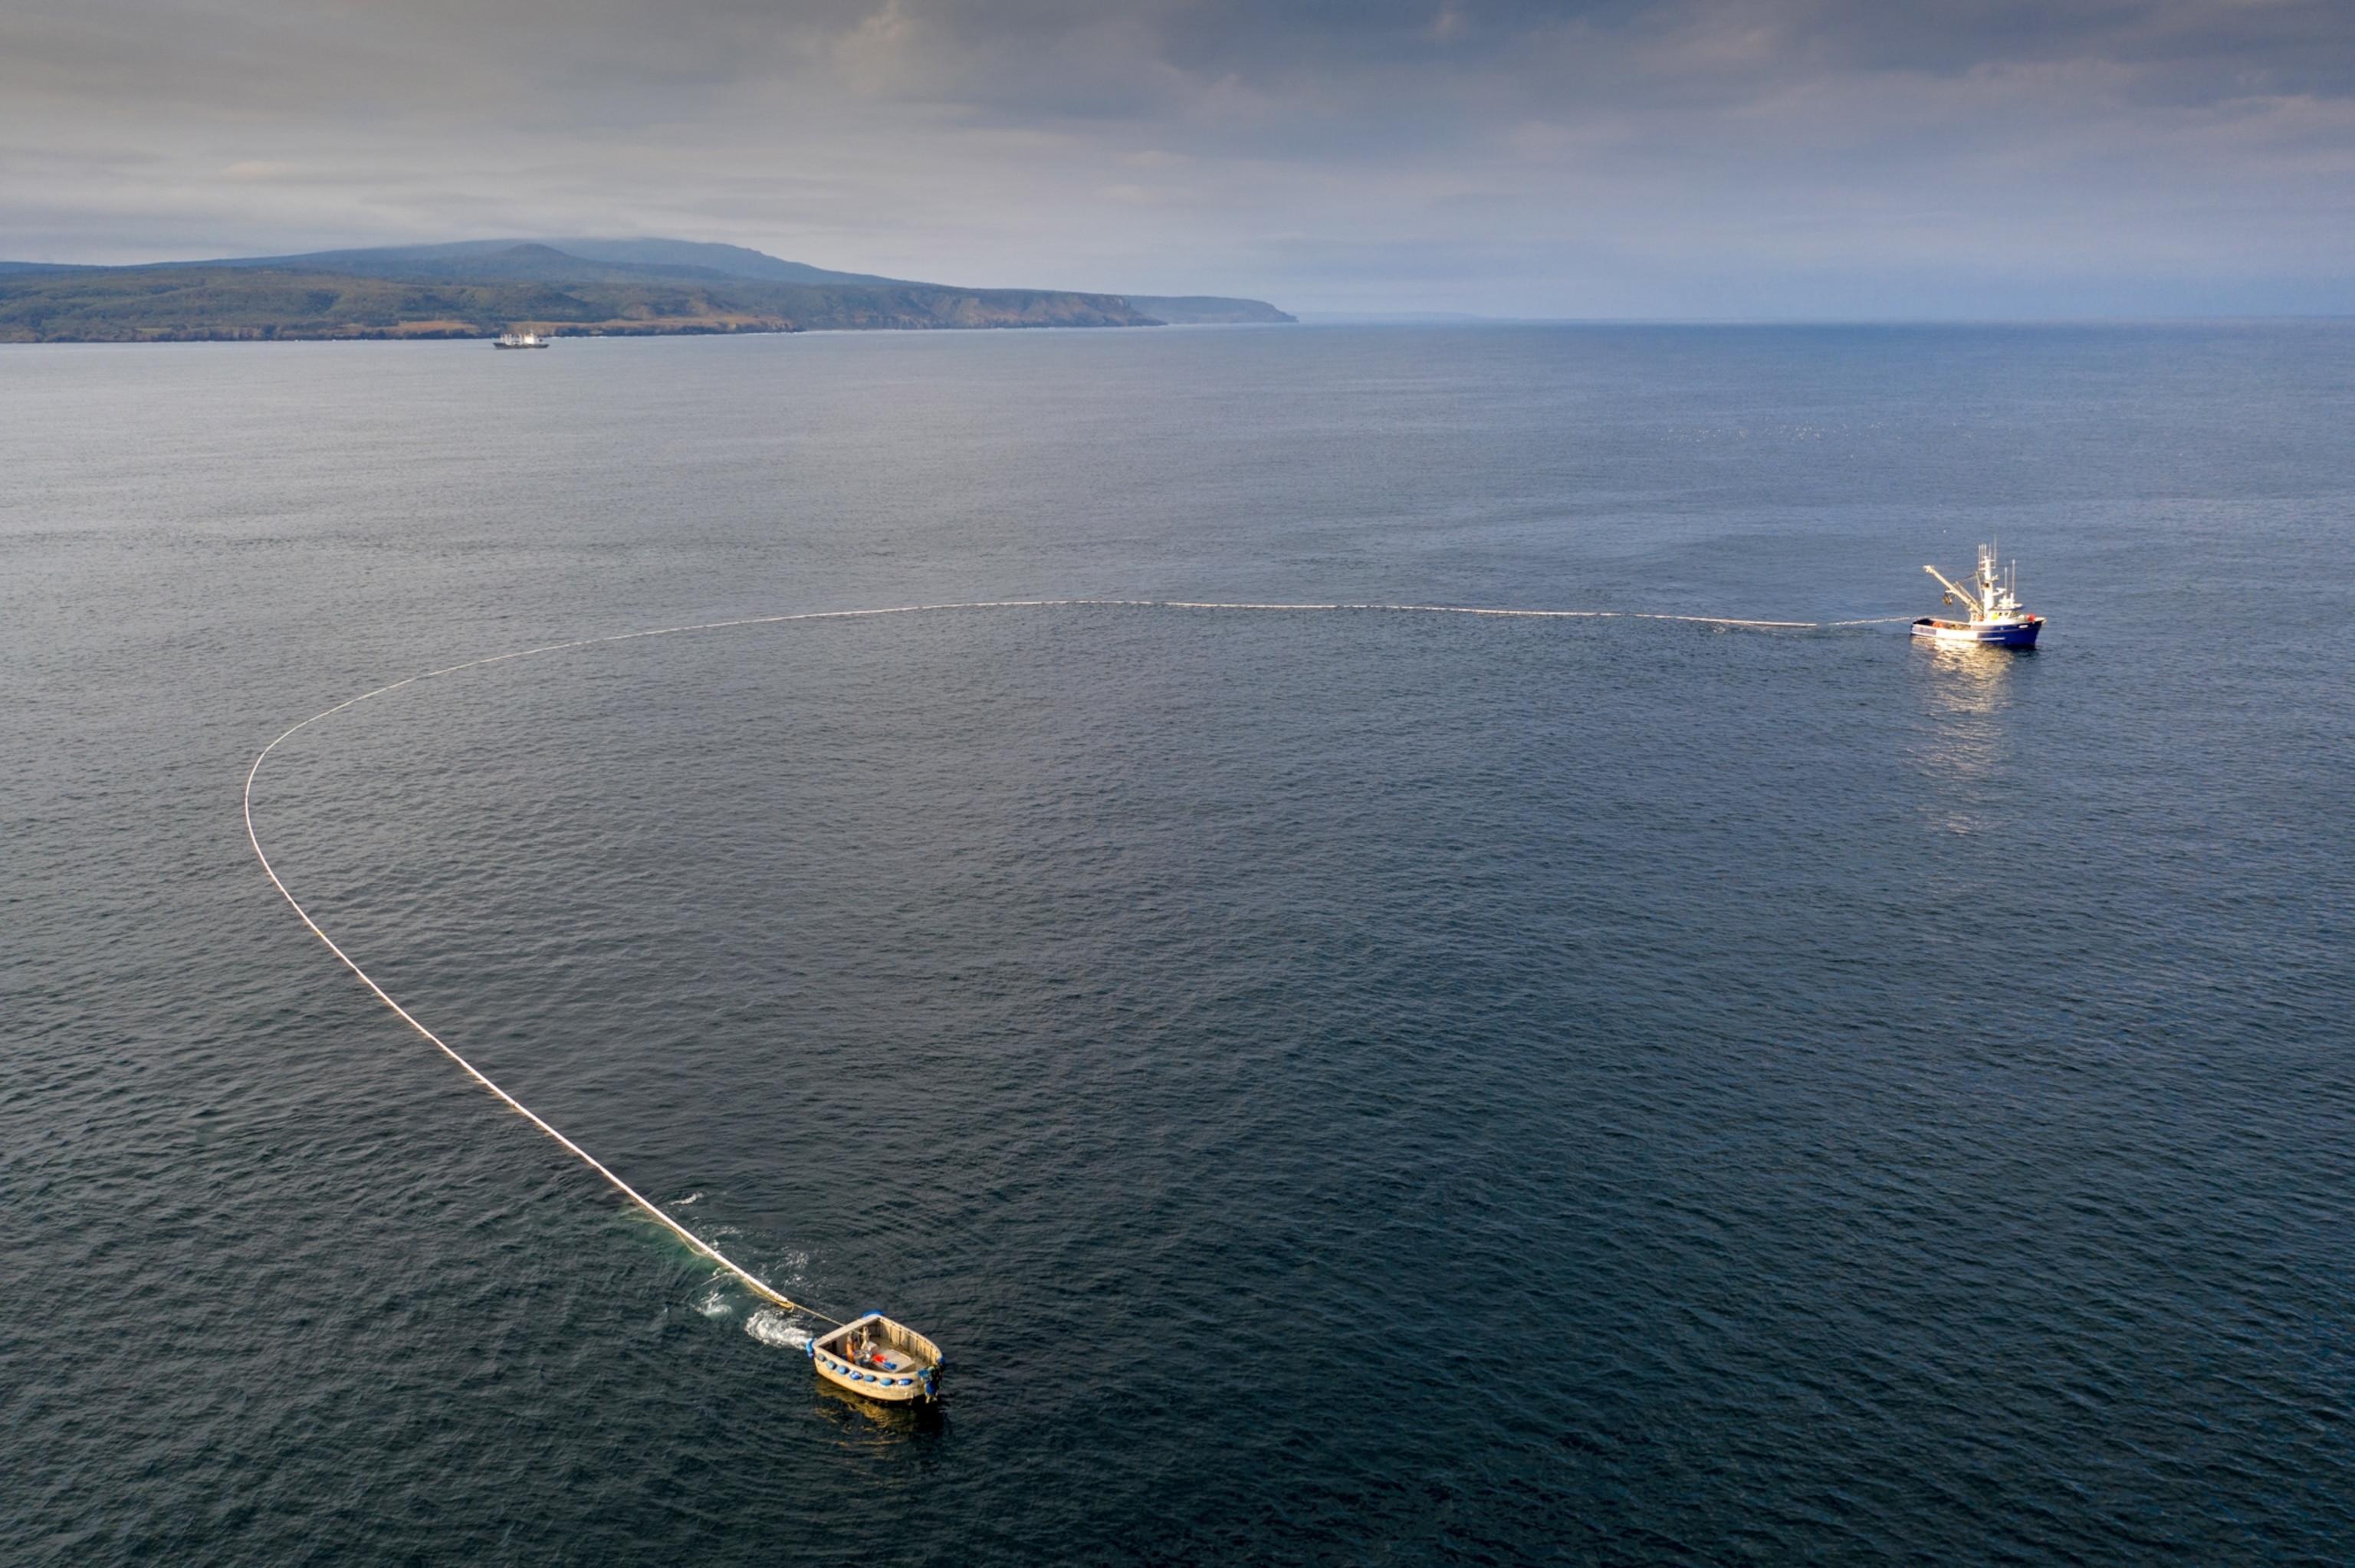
<point x="1703" y="158"/>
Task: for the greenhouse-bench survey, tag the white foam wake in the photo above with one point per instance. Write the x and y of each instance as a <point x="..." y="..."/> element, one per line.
<point x="773" y="1329"/>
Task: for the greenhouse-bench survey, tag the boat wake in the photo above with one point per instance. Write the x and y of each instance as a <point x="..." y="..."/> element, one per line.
<point x="773" y="1329"/>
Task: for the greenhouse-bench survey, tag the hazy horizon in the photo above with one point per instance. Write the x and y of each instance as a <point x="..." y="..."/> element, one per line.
<point x="1704" y="159"/>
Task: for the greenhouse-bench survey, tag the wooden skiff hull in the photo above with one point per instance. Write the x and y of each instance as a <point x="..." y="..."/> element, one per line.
<point x="877" y="1359"/>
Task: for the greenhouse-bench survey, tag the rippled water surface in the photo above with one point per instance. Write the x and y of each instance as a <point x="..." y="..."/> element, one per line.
<point x="1344" y="1085"/>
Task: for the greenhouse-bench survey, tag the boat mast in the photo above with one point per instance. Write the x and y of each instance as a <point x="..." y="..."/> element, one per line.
<point x="1995" y="584"/>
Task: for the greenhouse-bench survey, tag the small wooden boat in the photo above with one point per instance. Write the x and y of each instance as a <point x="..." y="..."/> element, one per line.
<point x="880" y="1359"/>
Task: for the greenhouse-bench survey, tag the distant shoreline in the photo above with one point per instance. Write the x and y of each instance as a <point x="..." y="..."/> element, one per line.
<point x="427" y="294"/>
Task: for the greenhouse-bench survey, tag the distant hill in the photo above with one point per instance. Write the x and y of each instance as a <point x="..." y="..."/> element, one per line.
<point x="513" y="260"/>
<point x="480" y="288"/>
<point x="1205" y="310"/>
<point x="132" y="304"/>
<point x="551" y="259"/>
<point x="735" y="260"/>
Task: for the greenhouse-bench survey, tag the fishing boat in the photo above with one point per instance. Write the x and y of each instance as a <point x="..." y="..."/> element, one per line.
<point x="878" y="1358"/>
<point x="521" y="340"/>
<point x="1998" y="619"/>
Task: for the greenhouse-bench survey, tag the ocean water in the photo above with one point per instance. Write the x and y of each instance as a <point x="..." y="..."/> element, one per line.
<point x="1344" y="1085"/>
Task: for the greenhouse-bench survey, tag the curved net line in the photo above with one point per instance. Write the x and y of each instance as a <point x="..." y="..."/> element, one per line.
<point x="750" y="1280"/>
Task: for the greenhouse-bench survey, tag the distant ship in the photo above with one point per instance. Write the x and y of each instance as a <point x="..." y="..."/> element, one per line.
<point x="1997" y="620"/>
<point x="521" y="340"/>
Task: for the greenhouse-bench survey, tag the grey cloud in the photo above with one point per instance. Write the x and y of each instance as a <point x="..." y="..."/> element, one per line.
<point x="1413" y="66"/>
<point x="1616" y="155"/>
<point x="990" y="49"/>
<point x="1113" y="58"/>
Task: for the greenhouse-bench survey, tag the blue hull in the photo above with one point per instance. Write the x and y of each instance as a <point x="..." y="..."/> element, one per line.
<point x="1956" y="632"/>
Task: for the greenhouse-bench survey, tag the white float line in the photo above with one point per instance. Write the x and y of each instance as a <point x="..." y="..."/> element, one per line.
<point x="759" y="1286"/>
<point x="1522" y="614"/>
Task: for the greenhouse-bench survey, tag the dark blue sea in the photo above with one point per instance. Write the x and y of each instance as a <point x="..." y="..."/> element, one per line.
<point x="1344" y="1085"/>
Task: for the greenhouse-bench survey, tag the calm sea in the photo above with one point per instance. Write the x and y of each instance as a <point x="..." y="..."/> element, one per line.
<point x="1347" y="1085"/>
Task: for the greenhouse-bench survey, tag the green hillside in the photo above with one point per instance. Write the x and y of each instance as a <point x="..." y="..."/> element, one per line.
<point x="230" y="301"/>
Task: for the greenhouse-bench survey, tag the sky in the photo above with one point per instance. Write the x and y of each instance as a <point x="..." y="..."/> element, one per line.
<point x="1690" y="159"/>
